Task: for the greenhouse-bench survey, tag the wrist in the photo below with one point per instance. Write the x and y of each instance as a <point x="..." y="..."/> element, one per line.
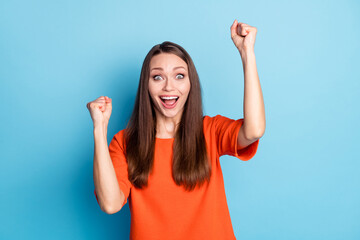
<point x="100" y="127"/>
<point x="247" y="55"/>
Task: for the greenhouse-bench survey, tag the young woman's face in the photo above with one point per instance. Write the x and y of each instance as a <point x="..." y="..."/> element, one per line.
<point x="169" y="84"/>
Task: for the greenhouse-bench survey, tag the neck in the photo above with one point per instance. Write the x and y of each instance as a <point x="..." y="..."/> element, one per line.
<point x="166" y="127"/>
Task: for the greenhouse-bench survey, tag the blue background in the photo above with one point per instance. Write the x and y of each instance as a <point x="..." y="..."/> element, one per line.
<point x="56" y="56"/>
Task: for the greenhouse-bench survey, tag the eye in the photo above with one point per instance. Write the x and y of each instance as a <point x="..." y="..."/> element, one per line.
<point x="182" y="75"/>
<point x="155" y="77"/>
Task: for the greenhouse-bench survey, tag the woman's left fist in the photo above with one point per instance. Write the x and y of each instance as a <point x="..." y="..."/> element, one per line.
<point x="243" y="36"/>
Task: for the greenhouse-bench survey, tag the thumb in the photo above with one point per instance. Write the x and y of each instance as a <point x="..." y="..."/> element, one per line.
<point x="233" y="29"/>
<point x="108" y="102"/>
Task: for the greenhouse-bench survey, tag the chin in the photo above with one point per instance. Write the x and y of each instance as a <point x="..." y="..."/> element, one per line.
<point x="169" y="113"/>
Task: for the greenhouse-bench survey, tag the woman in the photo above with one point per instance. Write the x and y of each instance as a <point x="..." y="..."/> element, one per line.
<point x="166" y="161"/>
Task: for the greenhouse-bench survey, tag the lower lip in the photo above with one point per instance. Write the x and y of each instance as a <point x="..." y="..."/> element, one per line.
<point x="169" y="106"/>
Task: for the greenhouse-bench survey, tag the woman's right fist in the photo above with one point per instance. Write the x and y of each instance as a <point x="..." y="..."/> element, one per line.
<point x="100" y="110"/>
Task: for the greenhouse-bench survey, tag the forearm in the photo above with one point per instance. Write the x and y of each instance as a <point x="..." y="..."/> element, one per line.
<point x="254" y="109"/>
<point x="105" y="181"/>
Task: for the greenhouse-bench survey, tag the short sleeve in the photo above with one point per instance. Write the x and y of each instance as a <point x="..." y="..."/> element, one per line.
<point x="226" y="132"/>
<point x="120" y="165"/>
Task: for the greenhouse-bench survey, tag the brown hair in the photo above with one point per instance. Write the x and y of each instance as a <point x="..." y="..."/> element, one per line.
<point x="190" y="164"/>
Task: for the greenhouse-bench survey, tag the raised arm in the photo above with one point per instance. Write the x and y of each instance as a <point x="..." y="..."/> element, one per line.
<point x="253" y="128"/>
<point x="107" y="191"/>
<point x="109" y="195"/>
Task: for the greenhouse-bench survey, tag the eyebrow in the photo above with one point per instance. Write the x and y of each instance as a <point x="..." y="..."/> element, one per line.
<point x="159" y="68"/>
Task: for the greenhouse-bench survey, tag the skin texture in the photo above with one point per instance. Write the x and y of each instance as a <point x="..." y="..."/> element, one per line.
<point x="168" y="81"/>
<point x="253" y="128"/>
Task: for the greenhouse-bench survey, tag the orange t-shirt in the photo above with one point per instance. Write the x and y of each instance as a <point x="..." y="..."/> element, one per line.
<point x="164" y="210"/>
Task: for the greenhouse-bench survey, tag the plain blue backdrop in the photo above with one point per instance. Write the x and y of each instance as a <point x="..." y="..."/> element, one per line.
<point x="56" y="56"/>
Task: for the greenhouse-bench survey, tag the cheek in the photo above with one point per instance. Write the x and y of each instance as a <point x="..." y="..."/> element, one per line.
<point x="152" y="95"/>
<point x="184" y="88"/>
<point x="152" y="90"/>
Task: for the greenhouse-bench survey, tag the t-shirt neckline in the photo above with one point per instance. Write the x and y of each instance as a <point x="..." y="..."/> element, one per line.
<point x="165" y="138"/>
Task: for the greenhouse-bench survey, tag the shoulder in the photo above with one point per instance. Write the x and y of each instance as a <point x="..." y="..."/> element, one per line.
<point x="220" y="123"/>
<point x="217" y="118"/>
<point x="119" y="138"/>
<point x="208" y="118"/>
<point x="211" y="120"/>
<point x="119" y="135"/>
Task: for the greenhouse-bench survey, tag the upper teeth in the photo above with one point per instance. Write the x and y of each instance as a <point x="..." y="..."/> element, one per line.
<point x="169" y="98"/>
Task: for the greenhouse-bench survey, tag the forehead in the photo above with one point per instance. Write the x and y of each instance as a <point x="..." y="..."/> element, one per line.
<point x="167" y="61"/>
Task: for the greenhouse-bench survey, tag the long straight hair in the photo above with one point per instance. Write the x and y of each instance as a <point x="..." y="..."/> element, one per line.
<point x="190" y="164"/>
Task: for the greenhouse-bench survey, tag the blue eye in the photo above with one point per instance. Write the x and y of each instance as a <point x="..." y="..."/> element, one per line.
<point x="181" y="75"/>
<point x="155" y="77"/>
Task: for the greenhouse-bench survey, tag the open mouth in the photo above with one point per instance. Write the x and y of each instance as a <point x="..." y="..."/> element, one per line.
<point x="169" y="100"/>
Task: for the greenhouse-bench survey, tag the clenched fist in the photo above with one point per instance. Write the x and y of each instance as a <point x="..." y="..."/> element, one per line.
<point x="100" y="110"/>
<point x="243" y="36"/>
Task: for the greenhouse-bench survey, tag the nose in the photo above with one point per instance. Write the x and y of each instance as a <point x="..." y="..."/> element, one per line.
<point x="168" y="85"/>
